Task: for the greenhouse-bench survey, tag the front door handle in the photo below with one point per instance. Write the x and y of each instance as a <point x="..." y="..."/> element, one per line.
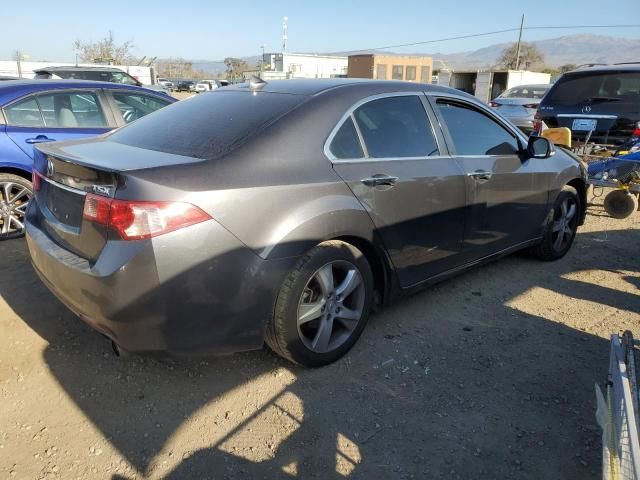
<point x="482" y="175"/>
<point x="40" y="139"/>
<point x="379" y="180"/>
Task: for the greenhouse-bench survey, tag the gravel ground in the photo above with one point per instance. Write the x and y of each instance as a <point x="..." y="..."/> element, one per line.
<point x="486" y="376"/>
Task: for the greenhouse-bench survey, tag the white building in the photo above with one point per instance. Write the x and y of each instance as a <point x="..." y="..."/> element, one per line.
<point x="303" y="65"/>
<point x="488" y="84"/>
<point x="10" y="68"/>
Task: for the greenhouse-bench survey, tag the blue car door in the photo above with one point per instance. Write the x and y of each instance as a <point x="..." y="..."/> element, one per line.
<point x="55" y="116"/>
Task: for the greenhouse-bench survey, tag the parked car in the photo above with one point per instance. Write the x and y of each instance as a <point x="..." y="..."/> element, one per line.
<point x="98" y="73"/>
<point x="208" y="85"/>
<point x="33" y="112"/>
<point x="601" y="99"/>
<point x="519" y="104"/>
<point x="168" y="84"/>
<point x="284" y="211"/>
<point x="186" y="86"/>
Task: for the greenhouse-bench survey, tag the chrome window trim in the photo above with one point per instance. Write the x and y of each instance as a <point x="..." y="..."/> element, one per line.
<point x="350" y="114"/>
<point x="63" y="186"/>
<point x="586" y="115"/>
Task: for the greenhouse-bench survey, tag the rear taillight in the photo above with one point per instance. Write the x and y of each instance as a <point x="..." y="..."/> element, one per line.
<point x="531" y="105"/>
<point x="636" y="131"/>
<point x="537" y="122"/>
<point x="135" y="220"/>
<point x="35" y="181"/>
<point x="494" y="104"/>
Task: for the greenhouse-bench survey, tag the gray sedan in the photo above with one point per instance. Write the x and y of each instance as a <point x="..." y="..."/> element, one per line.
<point x="284" y="211"/>
<point x="519" y="104"/>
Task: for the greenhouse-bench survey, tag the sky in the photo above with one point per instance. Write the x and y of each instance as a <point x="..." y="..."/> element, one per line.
<point x="213" y="30"/>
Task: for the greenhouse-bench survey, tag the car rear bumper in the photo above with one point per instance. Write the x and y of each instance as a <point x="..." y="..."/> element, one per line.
<point x="194" y="291"/>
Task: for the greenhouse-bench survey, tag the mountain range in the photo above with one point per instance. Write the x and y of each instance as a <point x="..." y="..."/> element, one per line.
<point x="576" y="49"/>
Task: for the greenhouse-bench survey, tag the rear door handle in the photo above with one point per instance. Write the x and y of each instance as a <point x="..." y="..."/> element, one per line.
<point x="480" y="175"/>
<point x="40" y="139"/>
<point x="379" y="180"/>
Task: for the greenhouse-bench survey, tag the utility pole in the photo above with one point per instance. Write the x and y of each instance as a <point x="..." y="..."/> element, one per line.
<point x="18" y="58"/>
<point x="285" y="37"/>
<point x="262" y="61"/>
<point x="519" y="42"/>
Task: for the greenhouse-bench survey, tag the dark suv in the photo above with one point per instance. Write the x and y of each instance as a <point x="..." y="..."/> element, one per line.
<point x="601" y="99"/>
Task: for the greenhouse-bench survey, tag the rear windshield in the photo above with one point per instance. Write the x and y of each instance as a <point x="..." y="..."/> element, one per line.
<point x="531" y="91"/>
<point x="576" y="89"/>
<point x="207" y="126"/>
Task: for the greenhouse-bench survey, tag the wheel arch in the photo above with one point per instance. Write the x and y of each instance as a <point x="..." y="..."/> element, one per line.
<point x="581" y="187"/>
<point x="16" y="171"/>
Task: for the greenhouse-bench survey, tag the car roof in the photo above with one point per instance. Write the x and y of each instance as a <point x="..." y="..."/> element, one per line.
<point x="13" y="89"/>
<point x="73" y="68"/>
<point x="317" y="86"/>
<point x="599" y="68"/>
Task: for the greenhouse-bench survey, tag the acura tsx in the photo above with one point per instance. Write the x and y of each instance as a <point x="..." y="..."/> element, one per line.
<point x="284" y="211"/>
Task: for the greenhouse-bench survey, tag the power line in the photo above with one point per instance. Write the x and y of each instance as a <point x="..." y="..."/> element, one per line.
<point x="495" y="32"/>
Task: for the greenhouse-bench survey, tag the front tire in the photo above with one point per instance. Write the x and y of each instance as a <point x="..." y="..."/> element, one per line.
<point x="15" y="193"/>
<point x="323" y="305"/>
<point x="561" y="231"/>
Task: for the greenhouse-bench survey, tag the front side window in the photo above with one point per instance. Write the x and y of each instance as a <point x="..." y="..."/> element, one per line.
<point x="72" y="110"/>
<point x="24" y="113"/>
<point x="397" y="72"/>
<point x="474" y="133"/>
<point x="345" y="143"/>
<point x="134" y="106"/>
<point x="395" y="127"/>
<point x="410" y="73"/>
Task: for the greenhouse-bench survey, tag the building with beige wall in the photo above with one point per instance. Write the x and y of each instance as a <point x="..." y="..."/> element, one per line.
<point x="391" y="67"/>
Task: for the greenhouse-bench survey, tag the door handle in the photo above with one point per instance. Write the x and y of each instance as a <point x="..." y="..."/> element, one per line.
<point x="40" y="139"/>
<point x="379" y="180"/>
<point x="480" y="175"/>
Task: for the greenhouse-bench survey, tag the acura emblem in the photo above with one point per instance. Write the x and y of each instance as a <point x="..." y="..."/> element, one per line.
<point x="50" y="169"/>
<point x="586" y="109"/>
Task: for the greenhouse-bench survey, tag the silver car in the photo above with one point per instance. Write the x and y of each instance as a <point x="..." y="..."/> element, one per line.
<point x="519" y="104"/>
<point x="284" y="211"/>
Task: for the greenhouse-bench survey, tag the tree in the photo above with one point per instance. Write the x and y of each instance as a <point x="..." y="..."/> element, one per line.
<point x="567" y="68"/>
<point x="235" y="67"/>
<point x="105" y="50"/>
<point x="530" y="57"/>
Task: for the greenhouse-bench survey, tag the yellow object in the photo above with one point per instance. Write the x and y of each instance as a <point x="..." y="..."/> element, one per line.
<point x="559" y="136"/>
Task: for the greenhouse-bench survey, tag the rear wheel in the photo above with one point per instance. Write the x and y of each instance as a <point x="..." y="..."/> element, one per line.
<point x="561" y="230"/>
<point x="15" y="193"/>
<point x="323" y="305"/>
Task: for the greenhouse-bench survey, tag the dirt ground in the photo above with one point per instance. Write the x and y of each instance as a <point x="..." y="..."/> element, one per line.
<point x="487" y="376"/>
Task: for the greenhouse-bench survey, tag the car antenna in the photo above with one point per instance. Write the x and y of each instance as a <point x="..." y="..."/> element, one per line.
<point x="256" y="83"/>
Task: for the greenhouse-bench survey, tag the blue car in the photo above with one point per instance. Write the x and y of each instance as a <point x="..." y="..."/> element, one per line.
<point x="39" y="111"/>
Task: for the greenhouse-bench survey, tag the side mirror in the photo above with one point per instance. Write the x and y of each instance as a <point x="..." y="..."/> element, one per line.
<point x="539" y="147"/>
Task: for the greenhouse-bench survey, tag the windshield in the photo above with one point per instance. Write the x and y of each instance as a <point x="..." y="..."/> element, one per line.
<point x="594" y="87"/>
<point x="526" y="91"/>
<point x="208" y="126"/>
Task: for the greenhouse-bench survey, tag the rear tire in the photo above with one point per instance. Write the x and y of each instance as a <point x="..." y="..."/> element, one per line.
<point x="15" y="192"/>
<point x="620" y="204"/>
<point x="323" y="305"/>
<point x="561" y="231"/>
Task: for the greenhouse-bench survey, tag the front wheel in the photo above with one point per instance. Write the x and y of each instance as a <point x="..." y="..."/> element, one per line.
<point x="561" y="230"/>
<point x="323" y="305"/>
<point x="15" y="193"/>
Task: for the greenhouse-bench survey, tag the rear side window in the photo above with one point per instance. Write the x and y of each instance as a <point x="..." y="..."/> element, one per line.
<point x="207" y="126"/>
<point x="346" y="143"/>
<point x="24" y="113"/>
<point x="474" y="133"/>
<point x="396" y="127"/>
<point x="72" y="110"/>
<point x="577" y="89"/>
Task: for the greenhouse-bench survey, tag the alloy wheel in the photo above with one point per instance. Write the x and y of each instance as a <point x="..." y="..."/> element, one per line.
<point x="14" y="199"/>
<point x="564" y="224"/>
<point x="331" y="306"/>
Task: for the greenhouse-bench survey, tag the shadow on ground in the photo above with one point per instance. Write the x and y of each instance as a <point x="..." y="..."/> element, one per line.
<point x="450" y="383"/>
